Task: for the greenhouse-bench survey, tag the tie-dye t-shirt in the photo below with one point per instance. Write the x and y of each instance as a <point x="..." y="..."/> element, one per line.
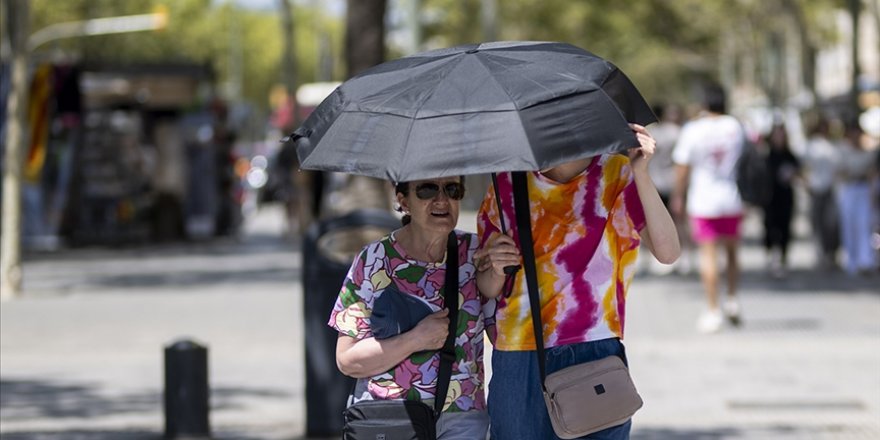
<point x="384" y="263"/>
<point x="586" y="240"/>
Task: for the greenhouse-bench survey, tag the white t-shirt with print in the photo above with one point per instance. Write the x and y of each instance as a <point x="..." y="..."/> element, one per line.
<point x="711" y="146"/>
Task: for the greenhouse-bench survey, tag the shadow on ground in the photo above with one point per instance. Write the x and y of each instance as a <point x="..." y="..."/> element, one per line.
<point x="32" y="399"/>
<point x="118" y="435"/>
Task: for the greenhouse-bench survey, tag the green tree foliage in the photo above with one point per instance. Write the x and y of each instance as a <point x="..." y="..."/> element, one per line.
<point x="222" y="35"/>
<point x="665" y="46"/>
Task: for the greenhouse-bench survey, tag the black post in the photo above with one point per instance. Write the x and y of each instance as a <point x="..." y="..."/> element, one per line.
<point x="186" y="390"/>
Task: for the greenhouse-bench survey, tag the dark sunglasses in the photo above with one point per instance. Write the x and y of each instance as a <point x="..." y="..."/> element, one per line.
<point x="427" y="191"/>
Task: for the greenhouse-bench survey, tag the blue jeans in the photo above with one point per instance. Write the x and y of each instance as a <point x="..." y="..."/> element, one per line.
<point x="516" y="402"/>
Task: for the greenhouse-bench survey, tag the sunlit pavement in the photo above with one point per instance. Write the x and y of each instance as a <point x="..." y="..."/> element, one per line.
<point x="81" y="351"/>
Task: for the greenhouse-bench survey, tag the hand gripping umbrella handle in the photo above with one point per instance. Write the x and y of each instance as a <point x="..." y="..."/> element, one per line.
<point x="508" y="270"/>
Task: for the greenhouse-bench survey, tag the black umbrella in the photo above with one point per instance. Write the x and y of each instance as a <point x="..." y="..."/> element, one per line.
<point x="492" y="107"/>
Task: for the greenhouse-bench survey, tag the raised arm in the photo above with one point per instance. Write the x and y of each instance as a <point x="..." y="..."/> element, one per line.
<point x="659" y="234"/>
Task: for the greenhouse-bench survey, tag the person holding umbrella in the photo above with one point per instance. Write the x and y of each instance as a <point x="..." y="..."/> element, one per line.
<point x="400" y="360"/>
<point x="505" y="107"/>
<point x="588" y="217"/>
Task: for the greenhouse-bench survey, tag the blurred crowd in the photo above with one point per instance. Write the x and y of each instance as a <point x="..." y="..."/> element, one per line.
<point x="828" y="164"/>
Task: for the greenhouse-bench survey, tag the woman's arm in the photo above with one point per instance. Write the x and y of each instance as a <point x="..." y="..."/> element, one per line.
<point x="370" y="356"/>
<point x="659" y="234"/>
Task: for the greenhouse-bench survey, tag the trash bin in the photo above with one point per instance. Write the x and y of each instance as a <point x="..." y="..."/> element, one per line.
<point x="329" y="249"/>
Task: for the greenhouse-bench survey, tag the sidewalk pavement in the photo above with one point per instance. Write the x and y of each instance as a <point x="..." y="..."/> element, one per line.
<point x="81" y="351"/>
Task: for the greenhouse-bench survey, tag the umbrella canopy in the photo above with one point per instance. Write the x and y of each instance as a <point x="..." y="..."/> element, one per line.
<point x="492" y="107"/>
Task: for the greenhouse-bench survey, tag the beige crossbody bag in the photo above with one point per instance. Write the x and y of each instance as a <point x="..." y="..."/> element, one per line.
<point x="584" y="398"/>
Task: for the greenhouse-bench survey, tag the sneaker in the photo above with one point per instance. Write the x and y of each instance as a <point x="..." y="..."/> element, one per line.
<point x="710" y="321"/>
<point x="732" y="312"/>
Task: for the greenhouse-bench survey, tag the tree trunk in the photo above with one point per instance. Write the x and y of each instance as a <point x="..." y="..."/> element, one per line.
<point x="855" y="9"/>
<point x="808" y="48"/>
<point x="288" y="63"/>
<point x="364" y="48"/>
<point x="16" y="25"/>
<point x="298" y="206"/>
<point x="364" y="35"/>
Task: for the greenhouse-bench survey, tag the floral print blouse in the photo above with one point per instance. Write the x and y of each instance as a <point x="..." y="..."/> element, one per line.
<point x="384" y="263"/>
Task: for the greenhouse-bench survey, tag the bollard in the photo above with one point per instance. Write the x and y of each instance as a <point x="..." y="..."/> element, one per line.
<point x="186" y="391"/>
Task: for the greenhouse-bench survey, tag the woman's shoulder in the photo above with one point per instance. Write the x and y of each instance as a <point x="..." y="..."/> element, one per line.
<point x="616" y="164"/>
<point x="377" y="249"/>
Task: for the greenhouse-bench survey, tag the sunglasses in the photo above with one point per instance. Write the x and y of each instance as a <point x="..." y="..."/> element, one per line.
<point x="427" y="191"/>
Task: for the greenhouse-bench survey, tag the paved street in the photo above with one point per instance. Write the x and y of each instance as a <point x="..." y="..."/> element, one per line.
<point x="81" y="351"/>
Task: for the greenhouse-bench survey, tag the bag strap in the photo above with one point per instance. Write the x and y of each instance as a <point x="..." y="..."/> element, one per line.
<point x="524" y="229"/>
<point x="450" y="300"/>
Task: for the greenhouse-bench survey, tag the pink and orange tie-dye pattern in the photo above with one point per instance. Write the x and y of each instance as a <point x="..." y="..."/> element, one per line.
<point x="586" y="240"/>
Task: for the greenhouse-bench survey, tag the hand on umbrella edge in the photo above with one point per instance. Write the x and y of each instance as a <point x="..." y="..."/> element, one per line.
<point x="641" y="155"/>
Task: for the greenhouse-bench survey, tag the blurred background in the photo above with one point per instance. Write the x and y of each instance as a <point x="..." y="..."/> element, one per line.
<point x="147" y="198"/>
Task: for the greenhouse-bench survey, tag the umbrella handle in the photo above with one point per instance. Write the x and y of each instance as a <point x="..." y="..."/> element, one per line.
<point x="508" y="270"/>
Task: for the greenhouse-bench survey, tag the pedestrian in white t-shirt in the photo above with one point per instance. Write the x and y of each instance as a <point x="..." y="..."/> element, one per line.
<point x="705" y="156"/>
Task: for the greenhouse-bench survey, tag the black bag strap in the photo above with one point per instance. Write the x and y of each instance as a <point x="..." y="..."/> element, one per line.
<point x="527" y="249"/>
<point x="450" y="300"/>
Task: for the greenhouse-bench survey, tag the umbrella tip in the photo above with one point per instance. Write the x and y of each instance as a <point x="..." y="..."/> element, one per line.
<point x="295" y="135"/>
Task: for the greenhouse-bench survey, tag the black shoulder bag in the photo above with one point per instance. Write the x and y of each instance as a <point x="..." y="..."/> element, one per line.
<point x="583" y="398"/>
<point x="410" y="419"/>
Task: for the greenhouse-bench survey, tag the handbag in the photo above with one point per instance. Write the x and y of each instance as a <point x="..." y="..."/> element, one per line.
<point x="410" y="419"/>
<point x="583" y="398"/>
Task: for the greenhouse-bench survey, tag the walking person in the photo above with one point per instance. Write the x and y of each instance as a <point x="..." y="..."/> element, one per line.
<point x="587" y="221"/>
<point x="783" y="168"/>
<point x="857" y="169"/>
<point x="820" y="162"/>
<point x="397" y="358"/>
<point x="706" y="155"/>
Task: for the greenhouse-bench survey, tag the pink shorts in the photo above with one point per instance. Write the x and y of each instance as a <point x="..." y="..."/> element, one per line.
<point x="710" y="229"/>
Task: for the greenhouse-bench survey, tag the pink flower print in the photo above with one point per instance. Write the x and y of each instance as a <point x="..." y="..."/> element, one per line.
<point x="434" y="281"/>
<point x="356" y="273"/>
<point x="407" y="373"/>
<point x="385" y="389"/>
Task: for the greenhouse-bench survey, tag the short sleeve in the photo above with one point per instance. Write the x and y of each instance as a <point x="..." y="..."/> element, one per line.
<point x="628" y="204"/>
<point x="353" y="308"/>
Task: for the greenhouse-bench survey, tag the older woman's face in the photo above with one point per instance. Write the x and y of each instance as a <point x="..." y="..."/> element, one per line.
<point x="434" y="203"/>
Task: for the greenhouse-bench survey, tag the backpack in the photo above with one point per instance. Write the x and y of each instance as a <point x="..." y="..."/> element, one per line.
<point x="753" y="176"/>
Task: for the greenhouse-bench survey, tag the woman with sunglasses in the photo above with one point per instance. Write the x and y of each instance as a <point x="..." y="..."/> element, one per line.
<point x="409" y="264"/>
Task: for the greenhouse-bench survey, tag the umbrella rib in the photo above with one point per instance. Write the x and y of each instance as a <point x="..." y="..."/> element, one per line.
<point x="415" y="116"/>
<point x="515" y="105"/>
<point x="616" y="107"/>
